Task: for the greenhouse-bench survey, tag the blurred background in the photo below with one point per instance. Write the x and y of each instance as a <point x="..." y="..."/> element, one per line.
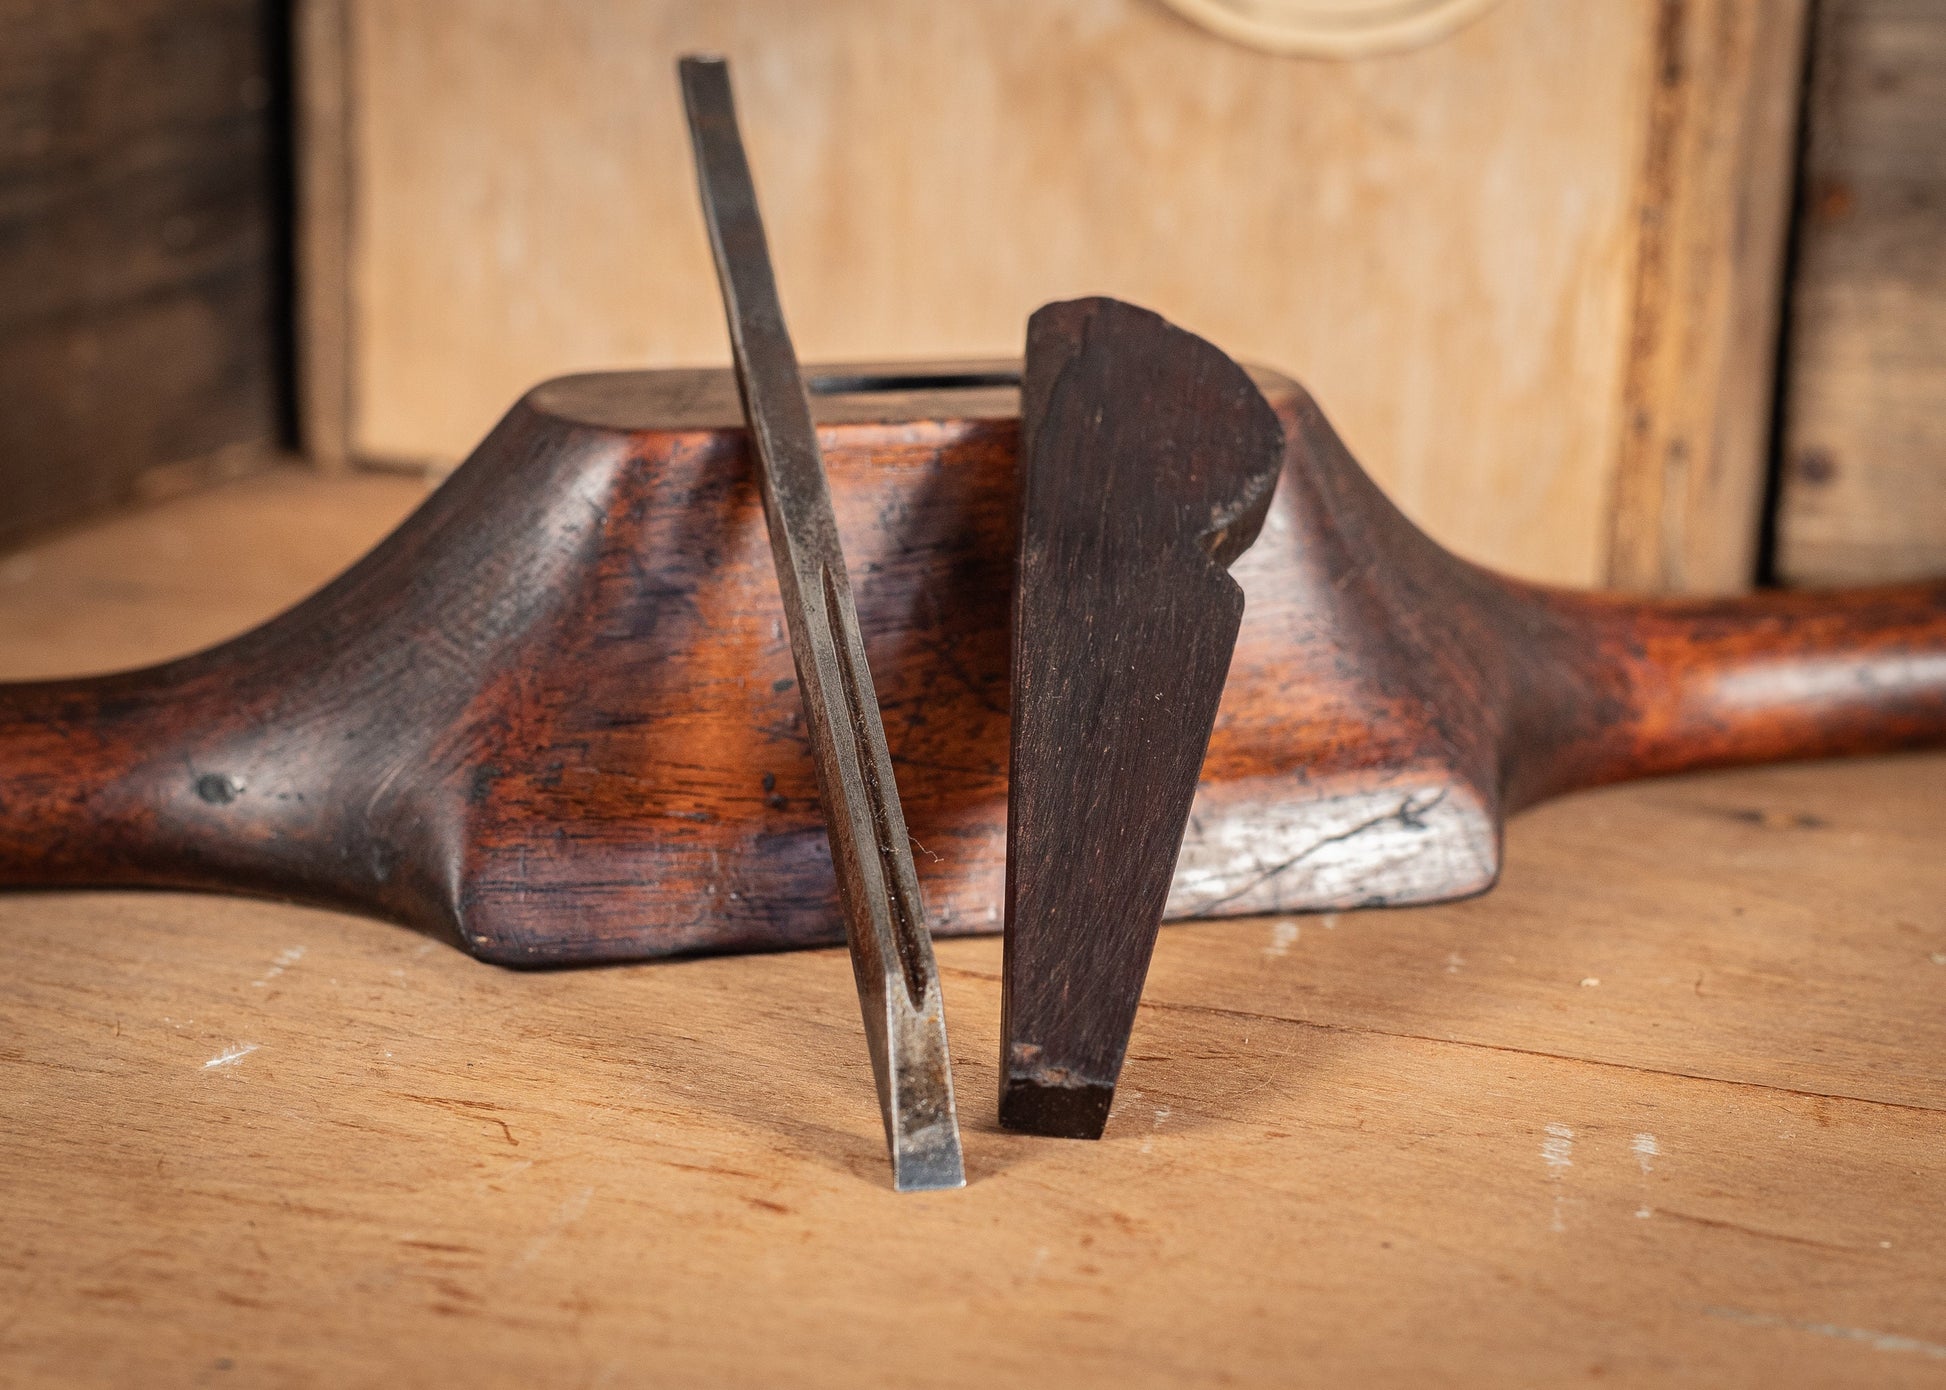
<point x="1649" y="293"/>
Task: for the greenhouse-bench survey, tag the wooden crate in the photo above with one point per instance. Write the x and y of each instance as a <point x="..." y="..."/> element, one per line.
<point x="1531" y="269"/>
<point x="138" y="295"/>
<point x="1863" y="487"/>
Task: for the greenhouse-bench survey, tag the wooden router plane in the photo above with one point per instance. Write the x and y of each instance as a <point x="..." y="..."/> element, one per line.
<point x="552" y="718"/>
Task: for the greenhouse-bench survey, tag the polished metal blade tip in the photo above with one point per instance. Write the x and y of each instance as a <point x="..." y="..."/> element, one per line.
<point x="921" y="1163"/>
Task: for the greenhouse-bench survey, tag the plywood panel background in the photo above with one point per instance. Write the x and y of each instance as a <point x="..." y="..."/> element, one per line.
<point x="1442" y="244"/>
<point x="1863" y="493"/>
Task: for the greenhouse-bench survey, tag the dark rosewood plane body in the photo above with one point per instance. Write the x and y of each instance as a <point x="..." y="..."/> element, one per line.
<point x="552" y="718"/>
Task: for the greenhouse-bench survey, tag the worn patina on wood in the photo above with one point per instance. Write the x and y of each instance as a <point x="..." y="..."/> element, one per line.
<point x="1148" y="460"/>
<point x="553" y="717"/>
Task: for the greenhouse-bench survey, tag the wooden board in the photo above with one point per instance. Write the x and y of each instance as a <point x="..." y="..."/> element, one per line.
<point x="1863" y="493"/>
<point x="138" y="343"/>
<point x="1697" y="403"/>
<point x="1530" y="270"/>
<point x="1665" y="1108"/>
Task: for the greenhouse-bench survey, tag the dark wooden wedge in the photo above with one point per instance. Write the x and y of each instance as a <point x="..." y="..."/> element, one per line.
<point x="1148" y="463"/>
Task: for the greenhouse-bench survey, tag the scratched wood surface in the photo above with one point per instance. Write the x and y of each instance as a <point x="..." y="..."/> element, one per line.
<point x="1665" y="1108"/>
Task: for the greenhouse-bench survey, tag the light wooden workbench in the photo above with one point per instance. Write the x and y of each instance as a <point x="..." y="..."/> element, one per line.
<point x="1668" y="1106"/>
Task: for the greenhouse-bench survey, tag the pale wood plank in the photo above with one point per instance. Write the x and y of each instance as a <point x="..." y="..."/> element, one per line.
<point x="1713" y="208"/>
<point x="1442" y="244"/>
<point x="674" y="1173"/>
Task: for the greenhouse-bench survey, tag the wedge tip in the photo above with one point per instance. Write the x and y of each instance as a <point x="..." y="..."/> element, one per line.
<point x="1029" y="1106"/>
